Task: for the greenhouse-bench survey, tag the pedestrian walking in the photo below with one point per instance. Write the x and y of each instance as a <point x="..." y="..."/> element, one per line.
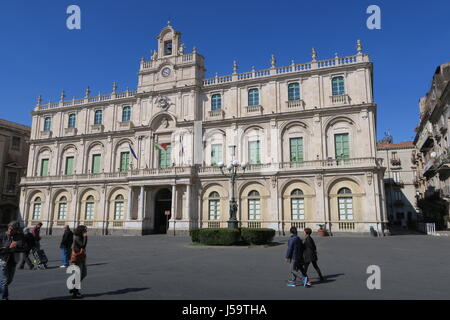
<point x="11" y="245"/>
<point x="29" y="245"/>
<point x="310" y="253"/>
<point x="36" y="234"/>
<point x="65" y="246"/>
<point x="294" y="256"/>
<point x="79" y="255"/>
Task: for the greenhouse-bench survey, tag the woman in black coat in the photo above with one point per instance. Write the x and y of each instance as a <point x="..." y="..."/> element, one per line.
<point x="79" y="255"/>
<point x="310" y="253"/>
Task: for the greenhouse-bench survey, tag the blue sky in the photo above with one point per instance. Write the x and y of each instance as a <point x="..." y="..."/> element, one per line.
<point x="39" y="55"/>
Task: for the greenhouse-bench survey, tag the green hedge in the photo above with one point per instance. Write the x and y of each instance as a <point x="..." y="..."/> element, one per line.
<point x="229" y="237"/>
<point x="257" y="235"/>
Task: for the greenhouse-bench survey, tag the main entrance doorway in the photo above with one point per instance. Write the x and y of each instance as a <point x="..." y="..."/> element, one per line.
<point x="163" y="204"/>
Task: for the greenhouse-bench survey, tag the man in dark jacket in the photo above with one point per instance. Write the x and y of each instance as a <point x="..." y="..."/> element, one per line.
<point x="294" y="255"/>
<point x="66" y="245"/>
<point x="37" y="235"/>
<point x="29" y="245"/>
<point x="310" y="253"/>
<point x="11" y="244"/>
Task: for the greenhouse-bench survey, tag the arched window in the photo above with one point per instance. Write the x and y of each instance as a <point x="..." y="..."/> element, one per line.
<point x="47" y="124"/>
<point x="253" y="97"/>
<point x="89" y="212"/>
<point x="297" y="205"/>
<point x="338" y="86"/>
<point x="126" y="113"/>
<point x="345" y="204"/>
<point x="98" y="118"/>
<point x="254" y="205"/>
<point x="62" y="208"/>
<point x="118" y="207"/>
<point x="72" y="120"/>
<point x="214" y="206"/>
<point x="37" y="208"/>
<point x="293" y="91"/>
<point x="216" y="102"/>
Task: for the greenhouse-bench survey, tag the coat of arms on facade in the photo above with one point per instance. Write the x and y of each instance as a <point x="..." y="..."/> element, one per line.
<point x="163" y="103"/>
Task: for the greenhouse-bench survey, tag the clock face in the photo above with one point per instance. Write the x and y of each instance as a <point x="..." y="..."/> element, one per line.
<point x="165" y="72"/>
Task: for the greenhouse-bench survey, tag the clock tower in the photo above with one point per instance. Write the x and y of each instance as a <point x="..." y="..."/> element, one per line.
<point x="170" y="67"/>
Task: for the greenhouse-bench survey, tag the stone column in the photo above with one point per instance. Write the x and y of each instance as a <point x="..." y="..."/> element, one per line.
<point x="141" y="203"/>
<point x="130" y="202"/>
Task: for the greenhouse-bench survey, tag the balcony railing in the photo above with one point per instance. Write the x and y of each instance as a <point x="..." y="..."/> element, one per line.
<point x="396" y="162"/>
<point x="340" y="99"/>
<point x="216" y="114"/>
<point x="136" y="173"/>
<point x="295" y="104"/>
<point x="254" y="109"/>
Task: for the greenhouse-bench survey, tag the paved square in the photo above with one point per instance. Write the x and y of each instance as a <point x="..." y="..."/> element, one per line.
<point x="167" y="267"/>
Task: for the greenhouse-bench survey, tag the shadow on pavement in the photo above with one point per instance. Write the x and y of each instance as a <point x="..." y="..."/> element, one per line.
<point x="94" y="295"/>
<point x="328" y="278"/>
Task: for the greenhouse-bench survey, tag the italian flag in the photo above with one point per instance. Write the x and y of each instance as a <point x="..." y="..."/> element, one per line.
<point x="160" y="147"/>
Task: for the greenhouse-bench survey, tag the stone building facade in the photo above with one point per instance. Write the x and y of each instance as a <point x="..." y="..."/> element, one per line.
<point x="401" y="182"/>
<point x="145" y="161"/>
<point x="14" y="147"/>
<point x="432" y="143"/>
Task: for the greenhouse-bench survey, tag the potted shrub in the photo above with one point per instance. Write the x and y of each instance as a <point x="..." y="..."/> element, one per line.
<point x="322" y="231"/>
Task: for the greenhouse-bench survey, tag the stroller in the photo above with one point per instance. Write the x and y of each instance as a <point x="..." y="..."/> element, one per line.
<point x="39" y="259"/>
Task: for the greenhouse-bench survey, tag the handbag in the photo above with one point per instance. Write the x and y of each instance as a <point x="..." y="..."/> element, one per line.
<point x="78" y="257"/>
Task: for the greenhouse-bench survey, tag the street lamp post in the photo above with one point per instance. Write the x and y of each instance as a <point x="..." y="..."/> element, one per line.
<point x="232" y="173"/>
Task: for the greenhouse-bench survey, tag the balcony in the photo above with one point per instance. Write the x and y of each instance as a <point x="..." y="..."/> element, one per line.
<point x="329" y="164"/>
<point x="254" y="109"/>
<point x="97" y="128"/>
<point x="295" y="105"/>
<point x="396" y="162"/>
<point x="216" y="114"/>
<point x="340" y="99"/>
<point x="131" y="175"/>
<point x="70" y="131"/>
<point x="47" y="134"/>
<point x="125" y="125"/>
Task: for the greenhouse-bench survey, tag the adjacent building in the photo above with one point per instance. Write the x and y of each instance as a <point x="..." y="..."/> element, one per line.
<point x="401" y="182"/>
<point x="146" y="160"/>
<point x="13" y="164"/>
<point x="432" y="143"/>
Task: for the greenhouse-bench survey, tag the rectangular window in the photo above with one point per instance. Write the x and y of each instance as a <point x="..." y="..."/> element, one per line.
<point x="296" y="149"/>
<point x="44" y="167"/>
<point x="118" y="212"/>
<point x="298" y="208"/>
<point x="124" y="161"/>
<point x="396" y="176"/>
<point x="98" y="117"/>
<point x="254" y="152"/>
<point x="345" y="208"/>
<point x="62" y="211"/>
<point x="15" y="143"/>
<point x="89" y="211"/>
<point x="47" y="124"/>
<point x="69" y="165"/>
<point x="254" y="209"/>
<point x="214" y="209"/>
<point x="341" y="146"/>
<point x="165" y="157"/>
<point x="12" y="181"/>
<point x="96" y="163"/>
<point x="36" y="211"/>
<point x="167" y="48"/>
<point x="216" y="154"/>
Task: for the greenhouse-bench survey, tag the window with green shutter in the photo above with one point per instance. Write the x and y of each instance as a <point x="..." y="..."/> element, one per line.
<point x="341" y="146"/>
<point x="296" y="149"/>
<point x="254" y="152"/>
<point x="165" y="157"/>
<point x="124" y="161"/>
<point x="69" y="165"/>
<point x="216" y="154"/>
<point x="96" y="163"/>
<point x="44" y="167"/>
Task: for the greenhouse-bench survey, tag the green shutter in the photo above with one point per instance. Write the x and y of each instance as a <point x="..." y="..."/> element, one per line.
<point x="216" y="154"/>
<point x="165" y="158"/>
<point x="124" y="161"/>
<point x="296" y="149"/>
<point x="69" y="165"/>
<point x="44" y="167"/>
<point x="96" y="161"/>
<point x="254" y="152"/>
<point x="341" y="144"/>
